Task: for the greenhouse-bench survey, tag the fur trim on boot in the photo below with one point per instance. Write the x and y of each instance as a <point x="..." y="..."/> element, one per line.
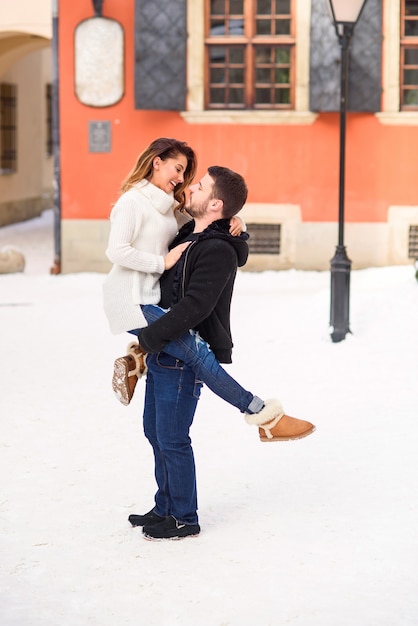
<point x="135" y="350"/>
<point x="272" y="410"/>
<point x="274" y="425"/>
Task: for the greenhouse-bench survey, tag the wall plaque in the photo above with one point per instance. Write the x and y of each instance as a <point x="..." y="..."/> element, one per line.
<point x="99" y="62"/>
<point x="100" y="137"/>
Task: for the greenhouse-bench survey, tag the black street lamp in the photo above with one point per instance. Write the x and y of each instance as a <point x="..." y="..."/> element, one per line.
<point x="345" y="14"/>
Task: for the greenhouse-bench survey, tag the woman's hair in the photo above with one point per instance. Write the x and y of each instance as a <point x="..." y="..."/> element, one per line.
<point x="165" y="149"/>
<point x="230" y="187"/>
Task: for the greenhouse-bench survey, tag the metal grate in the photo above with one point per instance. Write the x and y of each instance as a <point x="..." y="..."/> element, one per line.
<point x="264" y="238"/>
<point x="413" y="242"/>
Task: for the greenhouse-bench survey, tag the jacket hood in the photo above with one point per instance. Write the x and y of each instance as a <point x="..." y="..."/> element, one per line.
<point x="219" y="230"/>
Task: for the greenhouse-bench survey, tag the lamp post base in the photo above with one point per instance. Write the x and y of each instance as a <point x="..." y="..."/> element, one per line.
<point x="340" y="294"/>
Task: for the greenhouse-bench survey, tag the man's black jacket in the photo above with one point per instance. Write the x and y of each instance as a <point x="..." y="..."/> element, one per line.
<point x="202" y="285"/>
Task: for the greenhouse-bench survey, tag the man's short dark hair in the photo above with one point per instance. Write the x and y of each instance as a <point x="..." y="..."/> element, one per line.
<point x="229" y="187"/>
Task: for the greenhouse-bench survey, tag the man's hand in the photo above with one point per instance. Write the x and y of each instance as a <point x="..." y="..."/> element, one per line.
<point x="173" y="256"/>
<point x="237" y="226"/>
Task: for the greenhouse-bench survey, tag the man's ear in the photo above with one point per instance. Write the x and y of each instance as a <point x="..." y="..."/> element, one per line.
<point x="217" y="205"/>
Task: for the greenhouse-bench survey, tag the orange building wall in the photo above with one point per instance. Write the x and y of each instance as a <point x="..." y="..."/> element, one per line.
<point x="282" y="164"/>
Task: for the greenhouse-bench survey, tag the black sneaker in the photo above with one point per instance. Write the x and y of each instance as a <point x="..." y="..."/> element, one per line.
<point x="170" y="528"/>
<point x="146" y="520"/>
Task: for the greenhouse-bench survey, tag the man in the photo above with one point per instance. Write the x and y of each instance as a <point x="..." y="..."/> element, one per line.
<point x="197" y="292"/>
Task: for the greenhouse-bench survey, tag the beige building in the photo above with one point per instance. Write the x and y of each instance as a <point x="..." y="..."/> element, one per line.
<point x="26" y="162"/>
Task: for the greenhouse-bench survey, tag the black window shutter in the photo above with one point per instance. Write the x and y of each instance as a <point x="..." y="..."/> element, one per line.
<point x="160" y="54"/>
<point x="365" y="61"/>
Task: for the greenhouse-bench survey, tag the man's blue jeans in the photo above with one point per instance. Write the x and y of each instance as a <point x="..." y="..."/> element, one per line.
<point x="195" y="352"/>
<point x="171" y="396"/>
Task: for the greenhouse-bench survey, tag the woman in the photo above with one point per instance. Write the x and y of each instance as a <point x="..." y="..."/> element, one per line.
<point x="144" y="221"/>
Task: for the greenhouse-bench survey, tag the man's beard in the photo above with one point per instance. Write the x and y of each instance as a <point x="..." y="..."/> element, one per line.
<point x="197" y="211"/>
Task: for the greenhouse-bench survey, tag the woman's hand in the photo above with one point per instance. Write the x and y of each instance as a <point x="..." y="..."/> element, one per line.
<point x="237" y="226"/>
<point x="173" y="256"/>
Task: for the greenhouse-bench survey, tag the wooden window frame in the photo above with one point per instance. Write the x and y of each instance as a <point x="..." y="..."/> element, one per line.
<point x="8" y="128"/>
<point x="251" y="41"/>
<point x="406" y="43"/>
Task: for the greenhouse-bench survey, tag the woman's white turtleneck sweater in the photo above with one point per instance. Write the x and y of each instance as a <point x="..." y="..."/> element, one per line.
<point x="142" y="227"/>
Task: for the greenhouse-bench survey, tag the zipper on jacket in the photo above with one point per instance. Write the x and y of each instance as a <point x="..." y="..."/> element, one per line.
<point x="183" y="277"/>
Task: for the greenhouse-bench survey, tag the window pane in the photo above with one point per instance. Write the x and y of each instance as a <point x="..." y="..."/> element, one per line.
<point x="410" y="77"/>
<point x="410" y="97"/>
<point x="217" y="75"/>
<point x="411" y="56"/>
<point x="264" y="7"/>
<point x="282" y="56"/>
<point x="262" y="55"/>
<point x="282" y="96"/>
<point x="262" y="75"/>
<point x="282" y="75"/>
<point x="236" y="95"/>
<point x="262" y="96"/>
<point x="236" y="27"/>
<point x="411" y="7"/>
<point x="236" y="7"/>
<point x="217" y="7"/>
<point x="236" y="55"/>
<point x="217" y="54"/>
<point x="411" y="28"/>
<point x="236" y="75"/>
<point x="217" y="95"/>
<point x="217" y="27"/>
<point x="282" y="27"/>
<point x="283" y="7"/>
<point x="263" y="27"/>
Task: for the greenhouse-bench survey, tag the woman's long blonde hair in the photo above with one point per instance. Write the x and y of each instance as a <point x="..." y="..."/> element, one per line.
<point x="164" y="148"/>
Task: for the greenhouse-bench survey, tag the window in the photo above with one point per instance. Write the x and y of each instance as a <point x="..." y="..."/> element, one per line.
<point x="8" y="138"/>
<point x="249" y="54"/>
<point x="48" y="97"/>
<point x="409" y="55"/>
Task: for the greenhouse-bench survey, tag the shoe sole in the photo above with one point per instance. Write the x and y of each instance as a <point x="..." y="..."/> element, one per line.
<point x="149" y="538"/>
<point x="120" y="384"/>
<point x="264" y="438"/>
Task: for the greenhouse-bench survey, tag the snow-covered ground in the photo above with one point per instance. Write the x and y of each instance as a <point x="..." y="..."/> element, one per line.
<point x="317" y="532"/>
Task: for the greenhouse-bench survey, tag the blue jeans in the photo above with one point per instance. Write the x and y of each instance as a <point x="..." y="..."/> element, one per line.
<point x="196" y="354"/>
<point x="171" y="397"/>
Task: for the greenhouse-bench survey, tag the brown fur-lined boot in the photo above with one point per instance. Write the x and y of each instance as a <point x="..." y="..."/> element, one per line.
<point x="274" y="425"/>
<point x="126" y="371"/>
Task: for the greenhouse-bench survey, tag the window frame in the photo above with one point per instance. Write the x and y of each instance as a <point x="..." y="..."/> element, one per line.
<point x="410" y="43"/>
<point x="251" y="41"/>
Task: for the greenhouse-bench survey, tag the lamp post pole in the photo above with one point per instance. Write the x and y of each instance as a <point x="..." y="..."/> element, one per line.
<point x="345" y="15"/>
<point x="56" y="141"/>
<point x="340" y="263"/>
